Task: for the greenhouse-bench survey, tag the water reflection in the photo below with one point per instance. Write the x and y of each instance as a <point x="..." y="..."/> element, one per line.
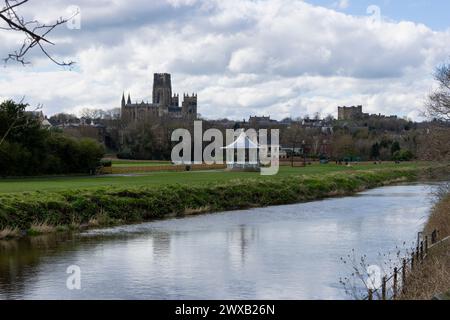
<point x="285" y="252"/>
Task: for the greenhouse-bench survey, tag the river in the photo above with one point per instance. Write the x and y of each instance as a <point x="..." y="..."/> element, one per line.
<point x="281" y="252"/>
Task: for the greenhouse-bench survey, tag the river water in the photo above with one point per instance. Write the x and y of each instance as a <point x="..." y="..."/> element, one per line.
<point x="282" y="252"/>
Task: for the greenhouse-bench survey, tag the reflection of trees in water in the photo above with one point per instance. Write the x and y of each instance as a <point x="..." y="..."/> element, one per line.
<point x="20" y="259"/>
<point x="19" y="262"/>
<point x="241" y="238"/>
<point x="161" y="243"/>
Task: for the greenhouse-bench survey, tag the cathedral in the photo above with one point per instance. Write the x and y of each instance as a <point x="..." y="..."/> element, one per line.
<point x="164" y="104"/>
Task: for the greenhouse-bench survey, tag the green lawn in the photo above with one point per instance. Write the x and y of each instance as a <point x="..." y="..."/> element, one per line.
<point x="128" y="163"/>
<point x="161" y="178"/>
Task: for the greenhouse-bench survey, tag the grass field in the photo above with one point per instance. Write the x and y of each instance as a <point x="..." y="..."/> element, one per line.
<point x="138" y="163"/>
<point x="165" y="178"/>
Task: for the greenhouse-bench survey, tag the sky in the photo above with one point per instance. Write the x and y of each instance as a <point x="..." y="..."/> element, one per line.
<point x="283" y="58"/>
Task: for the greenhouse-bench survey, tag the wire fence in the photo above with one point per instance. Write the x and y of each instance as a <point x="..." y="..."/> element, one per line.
<point x="397" y="283"/>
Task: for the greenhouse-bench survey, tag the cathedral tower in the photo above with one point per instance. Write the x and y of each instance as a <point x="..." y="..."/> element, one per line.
<point x="162" y="89"/>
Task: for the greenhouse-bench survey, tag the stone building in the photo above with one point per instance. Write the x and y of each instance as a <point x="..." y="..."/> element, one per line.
<point x="164" y="103"/>
<point x="356" y="113"/>
<point x="260" y="121"/>
<point x="351" y="113"/>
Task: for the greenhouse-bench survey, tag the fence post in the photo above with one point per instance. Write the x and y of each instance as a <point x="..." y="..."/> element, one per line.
<point x="395" y="282"/>
<point x="434" y="236"/>
<point x="412" y="260"/>
<point x="404" y="276"/>
<point x="370" y="297"/>
<point x="421" y="250"/>
<point x="417" y="253"/>
<point x="383" y="289"/>
<point x="426" y="245"/>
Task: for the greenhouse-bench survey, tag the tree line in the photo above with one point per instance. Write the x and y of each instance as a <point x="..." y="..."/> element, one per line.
<point x="26" y="148"/>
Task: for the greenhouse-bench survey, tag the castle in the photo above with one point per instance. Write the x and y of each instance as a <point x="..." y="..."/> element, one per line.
<point x="356" y="113"/>
<point x="351" y="113"/>
<point x="164" y="104"/>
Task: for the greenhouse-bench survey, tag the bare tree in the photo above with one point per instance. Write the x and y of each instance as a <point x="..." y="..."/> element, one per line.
<point x="92" y="114"/>
<point x="434" y="144"/>
<point x="438" y="105"/>
<point x="295" y="137"/>
<point x="34" y="32"/>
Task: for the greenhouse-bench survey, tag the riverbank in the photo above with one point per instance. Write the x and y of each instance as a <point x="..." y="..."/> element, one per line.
<point x="432" y="277"/>
<point x="39" y="212"/>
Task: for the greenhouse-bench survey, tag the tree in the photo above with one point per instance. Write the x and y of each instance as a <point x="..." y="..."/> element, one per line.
<point x="402" y="155"/>
<point x="434" y="144"/>
<point x="34" y="32"/>
<point x="63" y="118"/>
<point x="375" y="151"/>
<point x="343" y="147"/>
<point x="92" y="114"/>
<point x="438" y="105"/>
<point x="12" y="118"/>
<point x="295" y="136"/>
<point x="26" y="148"/>
<point x="395" y="147"/>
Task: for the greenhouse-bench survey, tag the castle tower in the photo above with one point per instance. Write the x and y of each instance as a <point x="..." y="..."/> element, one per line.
<point x="129" y="99"/>
<point x="123" y="100"/>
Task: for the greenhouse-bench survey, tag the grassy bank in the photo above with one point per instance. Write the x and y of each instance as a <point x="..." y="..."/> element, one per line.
<point x="44" y="211"/>
<point x="60" y="209"/>
<point x="433" y="276"/>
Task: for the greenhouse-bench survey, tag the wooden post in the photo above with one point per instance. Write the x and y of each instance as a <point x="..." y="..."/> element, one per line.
<point x="370" y="297"/>
<point x="395" y="282"/>
<point x="421" y="250"/>
<point x="426" y="245"/>
<point x="417" y="252"/>
<point x="404" y="276"/>
<point x="383" y="289"/>
<point x="412" y="260"/>
<point x="434" y="237"/>
<point x="292" y="156"/>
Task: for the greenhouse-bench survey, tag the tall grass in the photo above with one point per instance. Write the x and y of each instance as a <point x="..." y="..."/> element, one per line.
<point x="432" y="277"/>
<point x="8" y="233"/>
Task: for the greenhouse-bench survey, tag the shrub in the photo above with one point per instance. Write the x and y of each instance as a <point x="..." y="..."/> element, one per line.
<point x="402" y="155"/>
<point x="106" y="163"/>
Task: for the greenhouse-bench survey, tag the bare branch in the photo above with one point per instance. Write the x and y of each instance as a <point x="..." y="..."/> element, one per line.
<point x="34" y="32"/>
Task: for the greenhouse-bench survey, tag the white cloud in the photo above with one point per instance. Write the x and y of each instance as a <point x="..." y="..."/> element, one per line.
<point x="277" y="57"/>
<point x="341" y="4"/>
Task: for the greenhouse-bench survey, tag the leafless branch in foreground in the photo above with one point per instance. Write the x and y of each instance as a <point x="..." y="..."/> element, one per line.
<point x="34" y="32"/>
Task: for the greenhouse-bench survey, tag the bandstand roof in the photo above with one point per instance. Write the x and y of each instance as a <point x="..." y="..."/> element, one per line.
<point x="242" y="142"/>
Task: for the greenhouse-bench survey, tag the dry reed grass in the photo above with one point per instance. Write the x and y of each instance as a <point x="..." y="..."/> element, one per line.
<point x="432" y="277"/>
<point x="8" y="233"/>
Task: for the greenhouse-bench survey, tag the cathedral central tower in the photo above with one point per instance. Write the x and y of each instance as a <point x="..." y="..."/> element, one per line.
<point x="162" y="89"/>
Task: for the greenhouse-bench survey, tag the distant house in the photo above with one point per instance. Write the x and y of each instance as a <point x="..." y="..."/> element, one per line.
<point x="39" y="115"/>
